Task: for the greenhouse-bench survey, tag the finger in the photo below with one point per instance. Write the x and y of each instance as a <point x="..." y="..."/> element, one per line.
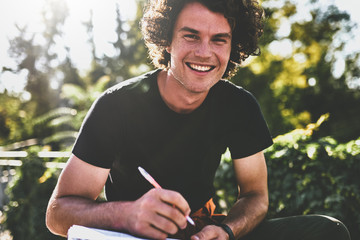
<point x="154" y="233"/>
<point x="162" y="215"/>
<point x="173" y="214"/>
<point x="164" y="224"/>
<point x="146" y="229"/>
<point x="175" y="199"/>
<point x="208" y="232"/>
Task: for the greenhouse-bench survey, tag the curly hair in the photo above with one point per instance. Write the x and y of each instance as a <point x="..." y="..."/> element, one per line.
<point x="245" y="17"/>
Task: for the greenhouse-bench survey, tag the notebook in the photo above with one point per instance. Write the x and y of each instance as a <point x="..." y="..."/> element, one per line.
<point x="77" y="232"/>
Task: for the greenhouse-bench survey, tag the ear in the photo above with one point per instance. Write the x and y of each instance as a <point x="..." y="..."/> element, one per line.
<point x="168" y="49"/>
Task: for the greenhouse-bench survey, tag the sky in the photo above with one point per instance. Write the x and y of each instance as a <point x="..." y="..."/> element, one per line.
<point x="75" y="36"/>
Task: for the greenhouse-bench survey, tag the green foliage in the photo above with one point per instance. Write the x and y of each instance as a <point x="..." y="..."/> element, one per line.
<point x="308" y="175"/>
<point x="225" y="184"/>
<point x="28" y="196"/>
<point x="295" y="78"/>
<point x="58" y="124"/>
<point x="15" y="118"/>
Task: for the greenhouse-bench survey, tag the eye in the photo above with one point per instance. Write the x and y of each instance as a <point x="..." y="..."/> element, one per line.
<point x="191" y="37"/>
<point x="220" y="40"/>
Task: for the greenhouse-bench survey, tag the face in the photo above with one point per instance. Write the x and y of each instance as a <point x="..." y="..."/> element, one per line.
<point x="200" y="48"/>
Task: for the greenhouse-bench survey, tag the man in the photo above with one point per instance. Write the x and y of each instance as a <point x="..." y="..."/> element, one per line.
<point x="175" y="122"/>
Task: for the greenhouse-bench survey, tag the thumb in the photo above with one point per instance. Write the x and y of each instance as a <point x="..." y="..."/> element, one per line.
<point x="195" y="237"/>
<point x="198" y="236"/>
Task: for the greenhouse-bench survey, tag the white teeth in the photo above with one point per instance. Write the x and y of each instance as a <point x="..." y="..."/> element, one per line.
<point x="200" y="68"/>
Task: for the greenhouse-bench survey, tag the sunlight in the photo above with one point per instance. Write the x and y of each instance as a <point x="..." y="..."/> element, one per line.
<point x="282" y="48"/>
<point x="11" y="14"/>
<point x="104" y="22"/>
<point x="21" y="12"/>
<point x="74" y="34"/>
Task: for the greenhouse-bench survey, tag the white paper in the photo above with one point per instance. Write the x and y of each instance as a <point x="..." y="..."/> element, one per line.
<point x="77" y="232"/>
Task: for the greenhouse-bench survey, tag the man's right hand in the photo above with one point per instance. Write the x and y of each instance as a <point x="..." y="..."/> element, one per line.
<point x="157" y="213"/>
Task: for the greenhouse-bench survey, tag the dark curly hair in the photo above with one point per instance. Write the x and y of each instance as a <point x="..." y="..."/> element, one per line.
<point x="244" y="16"/>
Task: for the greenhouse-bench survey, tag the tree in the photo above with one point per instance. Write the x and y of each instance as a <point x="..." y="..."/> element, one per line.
<point x="131" y="57"/>
<point x="294" y="78"/>
<point x="40" y="59"/>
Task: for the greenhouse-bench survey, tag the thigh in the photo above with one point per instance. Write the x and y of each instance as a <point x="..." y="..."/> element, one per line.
<point x="307" y="227"/>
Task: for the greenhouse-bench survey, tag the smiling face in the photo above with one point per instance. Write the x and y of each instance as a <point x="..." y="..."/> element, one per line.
<point x="200" y="48"/>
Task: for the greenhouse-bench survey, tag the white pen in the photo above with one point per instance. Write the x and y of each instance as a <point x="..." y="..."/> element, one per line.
<point x="151" y="180"/>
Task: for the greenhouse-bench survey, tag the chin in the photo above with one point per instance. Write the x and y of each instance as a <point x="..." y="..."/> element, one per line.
<point x="199" y="89"/>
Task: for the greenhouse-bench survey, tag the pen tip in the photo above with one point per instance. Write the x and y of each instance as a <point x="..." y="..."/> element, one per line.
<point x="190" y="220"/>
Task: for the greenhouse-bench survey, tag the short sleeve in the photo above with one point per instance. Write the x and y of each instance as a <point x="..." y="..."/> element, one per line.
<point x="97" y="136"/>
<point x="249" y="133"/>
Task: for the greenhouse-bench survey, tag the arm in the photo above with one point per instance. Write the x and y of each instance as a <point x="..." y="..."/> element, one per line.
<point x="73" y="202"/>
<point x="252" y="204"/>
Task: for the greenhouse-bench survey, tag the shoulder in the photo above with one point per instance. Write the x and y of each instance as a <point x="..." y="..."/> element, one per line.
<point x="125" y="93"/>
<point x="140" y="83"/>
<point x="229" y="93"/>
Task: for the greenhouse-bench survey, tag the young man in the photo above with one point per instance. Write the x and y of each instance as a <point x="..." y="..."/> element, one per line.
<point x="175" y="122"/>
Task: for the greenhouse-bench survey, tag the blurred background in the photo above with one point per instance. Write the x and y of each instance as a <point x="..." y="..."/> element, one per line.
<point x="57" y="56"/>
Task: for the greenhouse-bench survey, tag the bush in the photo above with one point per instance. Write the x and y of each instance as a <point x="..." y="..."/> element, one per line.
<point x="28" y="197"/>
<point x="308" y="176"/>
<point x="225" y="183"/>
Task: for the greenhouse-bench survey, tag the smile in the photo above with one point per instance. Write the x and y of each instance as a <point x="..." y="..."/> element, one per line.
<point x="200" y="68"/>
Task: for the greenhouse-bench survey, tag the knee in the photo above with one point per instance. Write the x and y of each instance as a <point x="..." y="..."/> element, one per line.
<point x="334" y="228"/>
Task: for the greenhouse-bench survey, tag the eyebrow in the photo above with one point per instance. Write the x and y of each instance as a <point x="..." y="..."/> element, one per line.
<point x="189" y="29"/>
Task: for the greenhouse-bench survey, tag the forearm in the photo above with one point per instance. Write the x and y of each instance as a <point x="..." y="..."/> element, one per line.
<point x="66" y="211"/>
<point x="247" y="213"/>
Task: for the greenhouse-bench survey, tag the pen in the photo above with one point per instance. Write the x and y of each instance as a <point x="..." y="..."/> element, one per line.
<point x="151" y="180"/>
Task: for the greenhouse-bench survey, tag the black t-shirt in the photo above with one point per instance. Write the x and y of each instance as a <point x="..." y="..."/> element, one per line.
<point x="130" y="126"/>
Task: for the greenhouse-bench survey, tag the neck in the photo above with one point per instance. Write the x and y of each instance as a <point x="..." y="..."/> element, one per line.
<point x="176" y="96"/>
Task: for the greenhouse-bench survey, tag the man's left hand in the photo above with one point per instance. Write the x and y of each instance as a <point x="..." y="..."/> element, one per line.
<point x="210" y="232"/>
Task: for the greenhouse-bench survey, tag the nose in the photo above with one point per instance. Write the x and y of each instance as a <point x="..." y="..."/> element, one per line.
<point x="203" y="49"/>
